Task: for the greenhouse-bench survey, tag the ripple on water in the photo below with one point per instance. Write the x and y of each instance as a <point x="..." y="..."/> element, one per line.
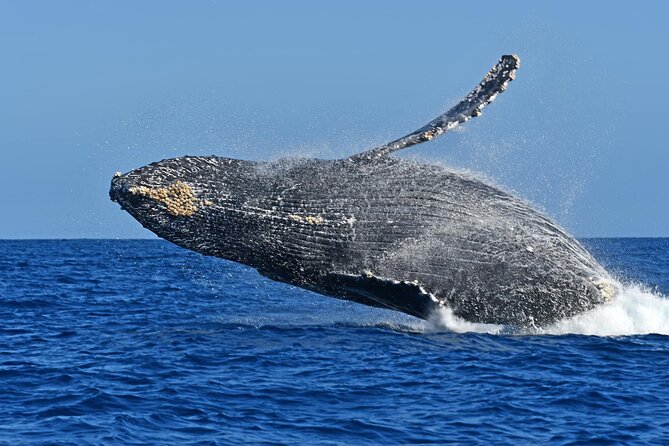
<point x="139" y="342"/>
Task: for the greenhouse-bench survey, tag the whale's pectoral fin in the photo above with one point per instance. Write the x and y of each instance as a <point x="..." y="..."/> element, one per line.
<point x="472" y="105"/>
<point x="407" y="297"/>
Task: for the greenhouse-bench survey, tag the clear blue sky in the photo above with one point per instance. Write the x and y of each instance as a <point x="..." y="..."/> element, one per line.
<point x="88" y="88"/>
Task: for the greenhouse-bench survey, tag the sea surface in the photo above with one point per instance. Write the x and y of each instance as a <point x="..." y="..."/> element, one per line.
<point x="140" y="342"/>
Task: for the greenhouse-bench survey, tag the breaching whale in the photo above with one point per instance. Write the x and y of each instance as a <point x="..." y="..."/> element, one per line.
<point x="376" y="229"/>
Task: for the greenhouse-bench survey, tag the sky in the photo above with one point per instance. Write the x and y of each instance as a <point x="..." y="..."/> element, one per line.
<point x="88" y="88"/>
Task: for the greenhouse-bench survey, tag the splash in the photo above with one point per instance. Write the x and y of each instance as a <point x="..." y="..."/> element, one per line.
<point x="635" y="311"/>
<point x="445" y="319"/>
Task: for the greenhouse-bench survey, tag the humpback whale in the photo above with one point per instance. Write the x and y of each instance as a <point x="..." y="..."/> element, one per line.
<point x="377" y="229"/>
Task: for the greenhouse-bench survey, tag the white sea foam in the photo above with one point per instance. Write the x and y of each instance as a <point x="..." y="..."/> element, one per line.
<point x="635" y="311"/>
<point x="445" y="319"/>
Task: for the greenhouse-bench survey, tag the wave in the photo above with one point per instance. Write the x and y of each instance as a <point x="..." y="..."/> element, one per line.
<point x="636" y="310"/>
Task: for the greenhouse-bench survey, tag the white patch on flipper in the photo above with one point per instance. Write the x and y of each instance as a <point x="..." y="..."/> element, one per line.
<point x="400" y="295"/>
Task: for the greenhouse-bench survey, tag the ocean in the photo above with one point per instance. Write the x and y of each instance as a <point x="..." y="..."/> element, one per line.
<point x="140" y="342"/>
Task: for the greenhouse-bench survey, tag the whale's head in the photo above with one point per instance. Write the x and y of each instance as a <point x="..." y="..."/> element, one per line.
<point x="177" y="199"/>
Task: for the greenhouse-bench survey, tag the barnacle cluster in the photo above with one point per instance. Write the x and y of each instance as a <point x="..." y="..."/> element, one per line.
<point x="179" y="198"/>
<point x="310" y="219"/>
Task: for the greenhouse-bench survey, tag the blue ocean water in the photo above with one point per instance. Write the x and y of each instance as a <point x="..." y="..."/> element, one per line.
<point x="140" y="342"/>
